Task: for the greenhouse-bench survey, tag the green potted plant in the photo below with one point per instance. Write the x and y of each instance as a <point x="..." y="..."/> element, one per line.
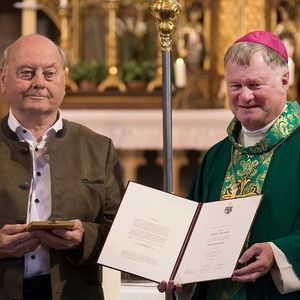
<point x="88" y="74"/>
<point x="136" y="73"/>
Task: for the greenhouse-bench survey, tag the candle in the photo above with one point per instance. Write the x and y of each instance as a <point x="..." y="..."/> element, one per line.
<point x="63" y="3"/>
<point x="180" y="73"/>
<point x="291" y="66"/>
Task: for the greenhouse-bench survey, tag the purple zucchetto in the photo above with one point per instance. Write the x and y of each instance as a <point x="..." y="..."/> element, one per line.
<point x="268" y="39"/>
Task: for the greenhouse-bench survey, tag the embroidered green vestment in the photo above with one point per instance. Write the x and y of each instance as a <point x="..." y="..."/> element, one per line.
<point x="271" y="167"/>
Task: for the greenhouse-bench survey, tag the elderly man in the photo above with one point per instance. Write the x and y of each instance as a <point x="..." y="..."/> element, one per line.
<point x="50" y="169"/>
<point x="261" y="155"/>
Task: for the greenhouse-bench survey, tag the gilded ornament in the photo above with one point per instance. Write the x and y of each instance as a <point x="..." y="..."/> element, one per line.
<point x="165" y="12"/>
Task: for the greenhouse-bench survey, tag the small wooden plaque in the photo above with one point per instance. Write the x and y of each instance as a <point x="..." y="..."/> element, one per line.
<point x="49" y="225"/>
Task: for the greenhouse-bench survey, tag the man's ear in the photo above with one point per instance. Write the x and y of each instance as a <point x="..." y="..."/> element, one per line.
<point x="285" y="80"/>
<point x="2" y="79"/>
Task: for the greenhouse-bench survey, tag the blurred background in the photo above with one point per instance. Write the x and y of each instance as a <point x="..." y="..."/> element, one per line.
<point x="114" y="84"/>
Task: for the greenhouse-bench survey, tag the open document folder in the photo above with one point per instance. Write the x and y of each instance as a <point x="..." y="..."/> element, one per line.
<point x="160" y="236"/>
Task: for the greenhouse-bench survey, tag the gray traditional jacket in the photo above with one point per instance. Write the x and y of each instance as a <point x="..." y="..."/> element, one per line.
<point x="86" y="184"/>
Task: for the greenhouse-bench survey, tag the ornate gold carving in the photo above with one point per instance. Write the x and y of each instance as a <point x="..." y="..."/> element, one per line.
<point x="111" y="50"/>
<point x="60" y="17"/>
<point x="234" y="20"/>
<point x="223" y="21"/>
<point x="207" y="36"/>
<point x="157" y="81"/>
<point x="51" y="8"/>
<point x="64" y="43"/>
<point x="228" y="29"/>
<point x="165" y="12"/>
<point x="254" y="15"/>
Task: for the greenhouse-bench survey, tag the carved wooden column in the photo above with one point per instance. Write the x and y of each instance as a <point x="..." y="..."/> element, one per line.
<point x="65" y="9"/>
<point x="179" y="160"/>
<point x="112" y="81"/>
<point x="231" y="19"/>
<point x="157" y="81"/>
<point x="130" y="160"/>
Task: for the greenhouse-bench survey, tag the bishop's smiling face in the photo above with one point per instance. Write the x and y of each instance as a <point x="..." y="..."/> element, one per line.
<point x="257" y="93"/>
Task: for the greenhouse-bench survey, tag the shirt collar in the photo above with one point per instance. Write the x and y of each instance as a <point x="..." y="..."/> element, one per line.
<point x="16" y="127"/>
<point x="250" y="138"/>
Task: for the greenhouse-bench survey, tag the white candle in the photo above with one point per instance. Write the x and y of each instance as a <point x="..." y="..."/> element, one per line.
<point x="291" y="66"/>
<point x="63" y="3"/>
<point x="180" y="73"/>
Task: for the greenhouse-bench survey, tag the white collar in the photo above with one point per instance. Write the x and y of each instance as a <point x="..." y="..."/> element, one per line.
<point x="15" y="125"/>
<point x="250" y="138"/>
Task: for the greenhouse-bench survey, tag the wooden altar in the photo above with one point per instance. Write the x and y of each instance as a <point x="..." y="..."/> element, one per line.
<point x="135" y="131"/>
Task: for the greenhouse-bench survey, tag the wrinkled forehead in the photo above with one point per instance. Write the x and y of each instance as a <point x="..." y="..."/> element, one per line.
<point x="35" y="51"/>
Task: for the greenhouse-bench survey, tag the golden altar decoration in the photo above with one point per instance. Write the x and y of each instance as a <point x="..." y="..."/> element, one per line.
<point x="105" y="30"/>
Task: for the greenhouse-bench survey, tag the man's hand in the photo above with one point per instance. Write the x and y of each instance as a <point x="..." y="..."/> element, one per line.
<point x="61" y="239"/>
<point x="15" y="241"/>
<point x="264" y="260"/>
<point x="169" y="287"/>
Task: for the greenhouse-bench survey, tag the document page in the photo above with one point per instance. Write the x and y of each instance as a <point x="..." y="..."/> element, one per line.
<point x="217" y="239"/>
<point x="148" y="232"/>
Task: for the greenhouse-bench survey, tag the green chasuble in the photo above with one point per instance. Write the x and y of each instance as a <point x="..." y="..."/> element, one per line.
<point x="270" y="167"/>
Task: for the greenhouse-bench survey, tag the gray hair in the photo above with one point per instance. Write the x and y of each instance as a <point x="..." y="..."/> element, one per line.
<point x="5" y="58"/>
<point x="242" y="52"/>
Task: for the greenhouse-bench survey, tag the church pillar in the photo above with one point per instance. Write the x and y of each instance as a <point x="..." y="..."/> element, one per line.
<point x="179" y="160"/>
<point x="129" y="163"/>
<point x="230" y="20"/>
<point x="29" y="17"/>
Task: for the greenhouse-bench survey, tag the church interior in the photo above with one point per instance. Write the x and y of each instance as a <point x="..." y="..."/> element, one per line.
<point x="114" y="84"/>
